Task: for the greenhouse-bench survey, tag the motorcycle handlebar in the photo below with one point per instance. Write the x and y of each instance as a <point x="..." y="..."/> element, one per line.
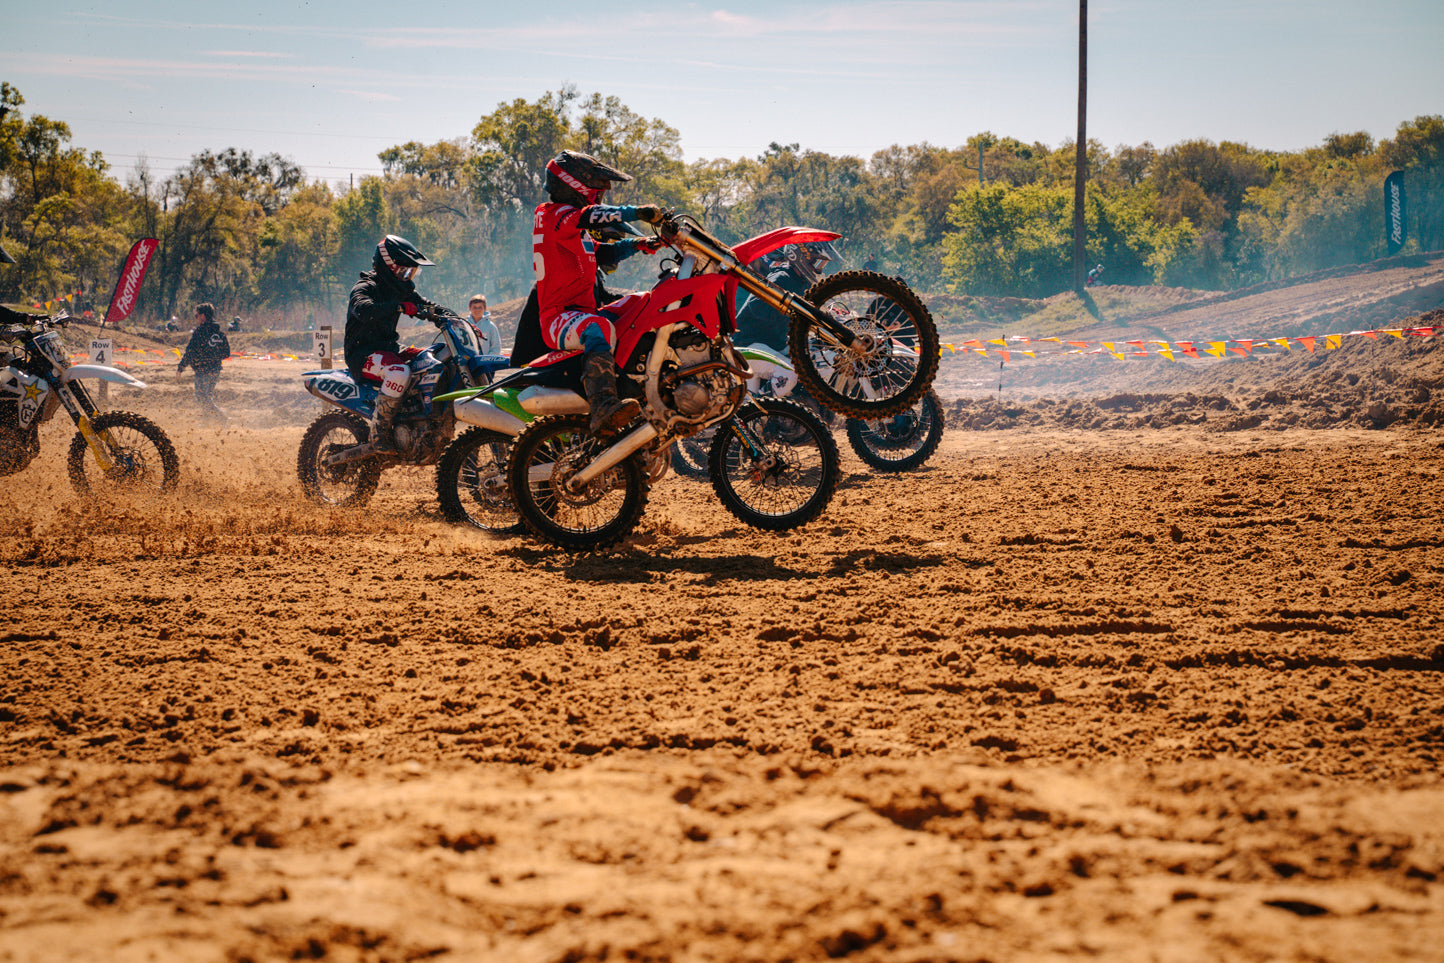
<point x="436" y="314"/>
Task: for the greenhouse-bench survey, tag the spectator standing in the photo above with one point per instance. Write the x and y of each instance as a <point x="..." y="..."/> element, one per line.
<point x="485" y="327"/>
<point x="204" y="353"/>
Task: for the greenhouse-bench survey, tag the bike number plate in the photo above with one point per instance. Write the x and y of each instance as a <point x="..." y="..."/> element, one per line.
<point x="336" y="389"/>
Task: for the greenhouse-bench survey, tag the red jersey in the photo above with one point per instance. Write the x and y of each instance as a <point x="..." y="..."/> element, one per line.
<point x="564" y="260"/>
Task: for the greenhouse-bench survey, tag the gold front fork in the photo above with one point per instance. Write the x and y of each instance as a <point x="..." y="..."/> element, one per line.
<point x="98" y="445"/>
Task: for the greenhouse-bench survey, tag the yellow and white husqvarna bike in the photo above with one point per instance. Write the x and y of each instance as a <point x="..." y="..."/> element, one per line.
<point x="112" y="450"/>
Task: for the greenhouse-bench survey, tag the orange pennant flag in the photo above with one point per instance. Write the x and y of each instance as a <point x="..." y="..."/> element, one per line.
<point x="1243" y="347"/>
<point x="1308" y="343"/>
<point x="1367" y="334"/>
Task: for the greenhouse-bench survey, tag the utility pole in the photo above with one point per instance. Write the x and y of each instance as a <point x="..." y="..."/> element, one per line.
<point x="1080" y="176"/>
<point x="979" y="168"/>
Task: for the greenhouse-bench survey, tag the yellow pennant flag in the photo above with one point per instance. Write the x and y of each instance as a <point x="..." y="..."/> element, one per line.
<point x="1397" y="334"/>
<point x="1165" y="350"/>
<point x="1216" y="348"/>
<point x="1281" y="342"/>
<point x="1333" y="341"/>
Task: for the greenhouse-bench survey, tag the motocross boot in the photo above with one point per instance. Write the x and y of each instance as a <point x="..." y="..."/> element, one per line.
<point x="610" y="413"/>
<point x="383" y="420"/>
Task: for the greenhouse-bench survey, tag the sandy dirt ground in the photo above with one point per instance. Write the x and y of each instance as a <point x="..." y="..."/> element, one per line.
<point x="1137" y="688"/>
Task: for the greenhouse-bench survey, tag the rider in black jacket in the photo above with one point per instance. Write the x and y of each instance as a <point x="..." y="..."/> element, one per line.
<point x="794" y="268"/>
<point x="372" y="346"/>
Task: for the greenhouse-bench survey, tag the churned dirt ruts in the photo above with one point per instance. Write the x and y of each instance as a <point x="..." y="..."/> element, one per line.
<point x="1129" y="690"/>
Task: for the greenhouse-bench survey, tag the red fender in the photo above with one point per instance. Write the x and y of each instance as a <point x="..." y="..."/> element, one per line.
<point x="754" y="247"/>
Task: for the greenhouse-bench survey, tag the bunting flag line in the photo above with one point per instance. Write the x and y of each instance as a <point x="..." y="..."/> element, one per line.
<point x="1004" y="348"/>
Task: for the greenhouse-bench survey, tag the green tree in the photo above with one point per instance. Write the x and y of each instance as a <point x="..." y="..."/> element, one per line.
<point x="62" y="217"/>
<point x="209" y="230"/>
<point x="1009" y="241"/>
<point x="296" y="275"/>
<point x="362" y="219"/>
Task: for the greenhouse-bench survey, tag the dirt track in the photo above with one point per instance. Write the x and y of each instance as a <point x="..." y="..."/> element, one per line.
<point x="1132" y="694"/>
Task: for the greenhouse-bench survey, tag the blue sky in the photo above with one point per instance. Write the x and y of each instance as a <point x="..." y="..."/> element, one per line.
<point x="332" y="84"/>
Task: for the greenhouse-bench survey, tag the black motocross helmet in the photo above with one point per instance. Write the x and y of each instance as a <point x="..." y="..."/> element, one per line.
<point x="399" y="258"/>
<point x="576" y="178"/>
<point x="809" y="259"/>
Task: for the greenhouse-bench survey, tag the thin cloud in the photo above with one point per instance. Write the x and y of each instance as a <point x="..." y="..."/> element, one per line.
<point x="124" y="70"/>
<point x="249" y="53"/>
<point x="690" y="31"/>
<point x="370" y="95"/>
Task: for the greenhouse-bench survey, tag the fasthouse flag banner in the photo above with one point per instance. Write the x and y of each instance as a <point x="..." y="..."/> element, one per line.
<point x="1396" y="209"/>
<point x="127" y="289"/>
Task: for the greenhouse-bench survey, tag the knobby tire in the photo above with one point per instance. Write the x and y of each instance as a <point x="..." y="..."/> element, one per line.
<point x="874" y="303"/>
<point x="548" y="515"/>
<point x="879" y="449"/>
<point x="466" y="466"/>
<point x="358" y="479"/>
<point x="779" y="501"/>
<point x="144" y="455"/>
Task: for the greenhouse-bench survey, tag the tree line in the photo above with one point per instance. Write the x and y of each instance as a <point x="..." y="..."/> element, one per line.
<point x="994" y="216"/>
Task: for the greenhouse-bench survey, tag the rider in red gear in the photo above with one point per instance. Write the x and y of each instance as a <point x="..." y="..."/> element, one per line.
<point x="565" y="257"/>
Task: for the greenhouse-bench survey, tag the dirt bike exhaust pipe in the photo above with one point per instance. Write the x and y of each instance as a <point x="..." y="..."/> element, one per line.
<point x="627" y="445"/>
<point x="487" y="415"/>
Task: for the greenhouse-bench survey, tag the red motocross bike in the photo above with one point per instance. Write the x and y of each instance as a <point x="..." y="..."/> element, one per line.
<point x="676" y="357"/>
